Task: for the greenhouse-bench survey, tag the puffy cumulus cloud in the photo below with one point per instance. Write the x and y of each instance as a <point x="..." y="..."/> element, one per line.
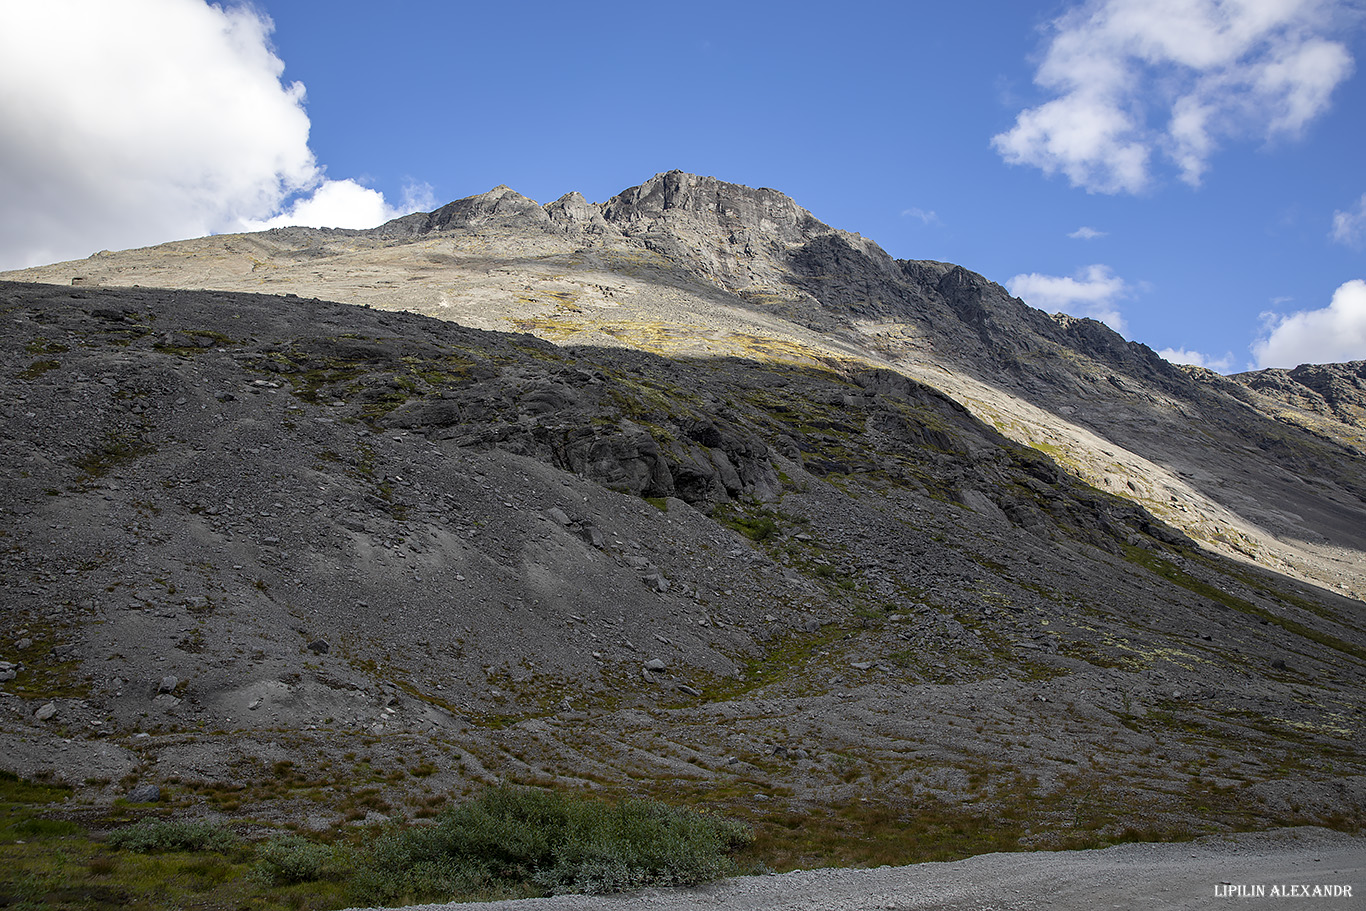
<point x="1138" y="81"/>
<point x="1195" y="358"/>
<point x="345" y="204"/>
<point x="1333" y="334"/>
<point x="1350" y="227"/>
<point x="1093" y="291"/>
<point x="143" y="121"/>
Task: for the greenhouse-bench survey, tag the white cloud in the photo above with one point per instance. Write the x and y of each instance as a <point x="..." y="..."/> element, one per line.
<point x="926" y="217"/>
<point x="1137" y="80"/>
<point x="345" y="204"/>
<point x="1350" y="227"/>
<point x="1182" y="356"/>
<point x="1093" y="291"/>
<point x="144" y="121"/>
<point x="1333" y="334"/>
<point x="418" y="197"/>
<point x="1085" y="232"/>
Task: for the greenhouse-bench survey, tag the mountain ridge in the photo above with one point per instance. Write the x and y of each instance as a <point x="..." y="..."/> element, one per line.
<point x="688" y="264"/>
<point x="760" y="519"/>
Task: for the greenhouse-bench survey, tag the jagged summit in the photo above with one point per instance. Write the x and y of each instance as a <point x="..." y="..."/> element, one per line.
<point x="710" y="204"/>
<point x="761" y="242"/>
<point x="670" y="196"/>
<point x="500" y="206"/>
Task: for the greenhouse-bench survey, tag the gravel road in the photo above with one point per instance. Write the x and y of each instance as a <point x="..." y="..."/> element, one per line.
<point x="1167" y="877"/>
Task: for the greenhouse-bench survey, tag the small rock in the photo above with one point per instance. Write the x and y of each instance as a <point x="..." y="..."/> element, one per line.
<point x="319" y="647"/>
<point x="23" y="644"/>
<point x="654" y="664"/>
<point x="168" y="684"/>
<point x="861" y="665"/>
<point x="811" y="626"/>
<point x="144" y="793"/>
<point x="688" y="690"/>
<point x="46" y="712"/>
<point x="557" y="515"/>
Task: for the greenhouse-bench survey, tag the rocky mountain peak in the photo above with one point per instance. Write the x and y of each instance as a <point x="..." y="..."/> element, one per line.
<point x="712" y="206"/>
<point x="502" y="206"/>
<point x="572" y="213"/>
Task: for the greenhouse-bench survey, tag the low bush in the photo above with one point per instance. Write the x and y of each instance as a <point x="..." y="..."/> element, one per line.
<point x="149" y="835"/>
<point x="293" y="859"/>
<point x="524" y="841"/>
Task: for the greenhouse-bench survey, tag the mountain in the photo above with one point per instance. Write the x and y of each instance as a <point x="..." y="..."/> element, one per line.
<point x="687" y="265"/>
<point x="685" y="494"/>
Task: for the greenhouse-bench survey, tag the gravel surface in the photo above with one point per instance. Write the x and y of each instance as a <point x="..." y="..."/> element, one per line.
<point x="1195" y="875"/>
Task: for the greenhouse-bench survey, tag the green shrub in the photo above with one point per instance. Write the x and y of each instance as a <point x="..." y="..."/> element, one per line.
<point x="521" y="840"/>
<point x="149" y="835"/>
<point x="292" y="859"/>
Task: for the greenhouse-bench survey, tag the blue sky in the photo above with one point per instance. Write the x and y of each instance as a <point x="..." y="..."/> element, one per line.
<point x="1191" y="171"/>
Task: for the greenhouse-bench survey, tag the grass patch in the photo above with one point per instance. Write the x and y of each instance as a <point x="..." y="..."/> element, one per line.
<point x="43" y="346"/>
<point x="37" y="369"/>
<point x="757" y="524"/>
<point x="49" y="670"/>
<point x="189" y="342"/>
<point x="20" y="803"/>
<point x="873" y="834"/>
<point x="116" y="449"/>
